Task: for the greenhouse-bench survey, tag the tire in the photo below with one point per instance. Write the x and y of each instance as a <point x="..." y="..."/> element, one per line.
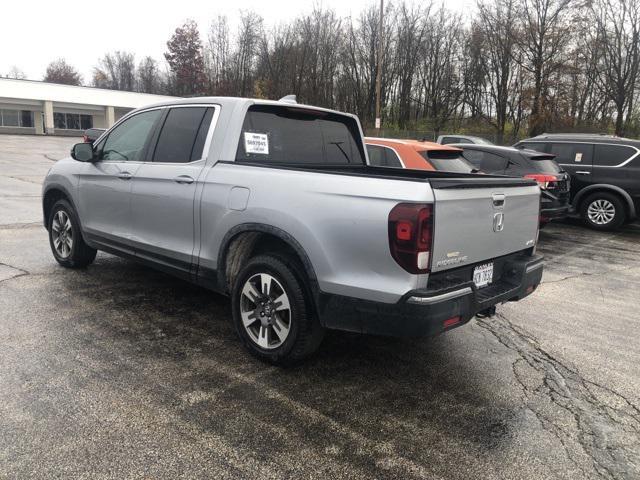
<point x="67" y="245"/>
<point x="268" y="329"/>
<point x="603" y="211"/>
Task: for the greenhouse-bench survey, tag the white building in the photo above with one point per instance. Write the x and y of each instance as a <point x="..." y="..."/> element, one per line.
<point x="40" y="108"/>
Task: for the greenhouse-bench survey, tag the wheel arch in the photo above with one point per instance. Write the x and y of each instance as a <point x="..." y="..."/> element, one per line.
<point x="50" y="196"/>
<point x="603" y="187"/>
<point x="246" y="240"/>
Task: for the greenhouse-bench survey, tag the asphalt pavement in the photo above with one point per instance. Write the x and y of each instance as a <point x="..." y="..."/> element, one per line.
<point x="119" y="371"/>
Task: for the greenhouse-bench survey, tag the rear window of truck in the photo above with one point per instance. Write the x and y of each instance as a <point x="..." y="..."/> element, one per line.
<point x="295" y="136"/>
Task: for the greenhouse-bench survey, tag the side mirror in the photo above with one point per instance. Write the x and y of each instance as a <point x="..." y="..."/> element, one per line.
<point x="83" y="152"/>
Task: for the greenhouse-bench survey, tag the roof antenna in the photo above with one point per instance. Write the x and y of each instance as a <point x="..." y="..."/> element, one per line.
<point x="288" y="99"/>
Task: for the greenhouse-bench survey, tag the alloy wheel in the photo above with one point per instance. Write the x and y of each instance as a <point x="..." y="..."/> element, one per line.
<point x="265" y="311"/>
<point x="62" y="234"/>
<point x="601" y="211"/>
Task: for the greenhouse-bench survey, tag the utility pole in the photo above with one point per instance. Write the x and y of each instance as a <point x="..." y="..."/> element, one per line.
<point x="379" y="72"/>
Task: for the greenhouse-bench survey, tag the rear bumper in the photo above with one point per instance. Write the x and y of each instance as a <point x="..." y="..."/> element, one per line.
<point x="553" y="208"/>
<point x="430" y="312"/>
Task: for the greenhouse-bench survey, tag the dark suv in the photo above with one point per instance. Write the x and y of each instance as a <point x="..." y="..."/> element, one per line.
<point x="605" y="174"/>
<point x="541" y="167"/>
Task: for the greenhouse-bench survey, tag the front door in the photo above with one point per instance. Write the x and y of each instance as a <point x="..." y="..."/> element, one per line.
<point x="164" y="188"/>
<point x="105" y="184"/>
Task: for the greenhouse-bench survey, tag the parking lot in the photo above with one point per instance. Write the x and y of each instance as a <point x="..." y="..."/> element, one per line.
<point x="119" y="371"/>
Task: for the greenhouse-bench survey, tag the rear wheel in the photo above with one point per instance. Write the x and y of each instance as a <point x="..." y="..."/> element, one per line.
<point x="603" y="211"/>
<point x="272" y="311"/>
<point x="67" y="245"/>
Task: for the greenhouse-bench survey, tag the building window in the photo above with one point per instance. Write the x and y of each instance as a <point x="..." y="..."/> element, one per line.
<point x="86" y="121"/>
<point x="16" y="118"/>
<point x="26" y="118"/>
<point x="59" y="120"/>
<point x="72" y="121"/>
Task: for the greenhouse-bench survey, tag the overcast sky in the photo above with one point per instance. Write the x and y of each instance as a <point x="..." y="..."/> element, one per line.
<point x="34" y="32"/>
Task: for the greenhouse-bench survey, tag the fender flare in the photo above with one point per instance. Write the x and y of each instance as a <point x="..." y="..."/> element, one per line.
<point x="69" y="197"/>
<point x="612" y="188"/>
<point x="271" y="230"/>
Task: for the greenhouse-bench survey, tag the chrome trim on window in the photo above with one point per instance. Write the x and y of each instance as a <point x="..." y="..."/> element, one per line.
<point x="594" y="144"/>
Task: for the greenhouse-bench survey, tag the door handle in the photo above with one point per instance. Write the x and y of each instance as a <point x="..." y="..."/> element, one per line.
<point x="582" y="172"/>
<point x="125" y="176"/>
<point x="183" y="179"/>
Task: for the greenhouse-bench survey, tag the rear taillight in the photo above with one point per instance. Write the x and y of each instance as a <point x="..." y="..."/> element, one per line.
<point x="544" y="181"/>
<point x="410" y="236"/>
<point x="85" y="139"/>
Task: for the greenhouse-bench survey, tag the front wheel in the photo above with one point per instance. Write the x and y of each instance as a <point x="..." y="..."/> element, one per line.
<point x="273" y="312"/>
<point x="603" y="211"/>
<point x="67" y="245"/>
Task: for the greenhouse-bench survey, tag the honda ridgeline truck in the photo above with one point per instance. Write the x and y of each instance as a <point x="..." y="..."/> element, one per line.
<point x="274" y="204"/>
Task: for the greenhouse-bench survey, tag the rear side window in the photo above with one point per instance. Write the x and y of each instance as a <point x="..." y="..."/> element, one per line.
<point x="285" y="135"/>
<point x="572" y="153"/>
<point x="182" y="136"/>
<point x="544" y="164"/>
<point x="612" y="155"/>
<point x="383" y="157"/>
<point x="447" y="140"/>
<point x="485" y="161"/>
<point x="446" y="161"/>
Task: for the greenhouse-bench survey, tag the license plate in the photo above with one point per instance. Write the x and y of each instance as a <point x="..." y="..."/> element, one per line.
<point x="483" y="275"/>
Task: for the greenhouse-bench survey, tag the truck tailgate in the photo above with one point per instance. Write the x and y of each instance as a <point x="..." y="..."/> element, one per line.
<point x="480" y="219"/>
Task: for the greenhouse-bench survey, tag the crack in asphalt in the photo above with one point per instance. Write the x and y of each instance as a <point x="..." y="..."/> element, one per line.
<point x="20" y="270"/>
<point x="14" y="226"/>
<point x="609" y="433"/>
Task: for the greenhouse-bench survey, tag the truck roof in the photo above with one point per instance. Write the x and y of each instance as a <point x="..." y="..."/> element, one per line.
<point x="234" y="101"/>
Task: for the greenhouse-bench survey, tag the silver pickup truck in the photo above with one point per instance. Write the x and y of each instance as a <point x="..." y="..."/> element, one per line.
<point x="273" y="204"/>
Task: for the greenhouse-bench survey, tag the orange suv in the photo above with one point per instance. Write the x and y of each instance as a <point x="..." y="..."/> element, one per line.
<point x="416" y="155"/>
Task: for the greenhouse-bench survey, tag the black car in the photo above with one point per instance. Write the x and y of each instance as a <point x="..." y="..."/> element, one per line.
<point x="541" y="167"/>
<point x="605" y="174"/>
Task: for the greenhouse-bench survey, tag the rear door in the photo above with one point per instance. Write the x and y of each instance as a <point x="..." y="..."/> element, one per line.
<point x="164" y="187"/>
<point x="481" y="219"/>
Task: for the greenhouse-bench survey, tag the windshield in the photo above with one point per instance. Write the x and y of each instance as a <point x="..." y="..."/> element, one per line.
<point x="447" y="161"/>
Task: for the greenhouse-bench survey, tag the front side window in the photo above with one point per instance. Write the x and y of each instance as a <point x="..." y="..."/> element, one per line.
<point x="182" y="136"/>
<point x="289" y="135"/>
<point x="612" y="155"/>
<point x="127" y="140"/>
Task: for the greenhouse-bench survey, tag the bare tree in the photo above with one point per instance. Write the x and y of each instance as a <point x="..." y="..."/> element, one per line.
<point x="59" y="71"/>
<point x="148" y="76"/>
<point x="618" y="37"/>
<point x="545" y="35"/>
<point x="115" y="71"/>
<point x="498" y="20"/>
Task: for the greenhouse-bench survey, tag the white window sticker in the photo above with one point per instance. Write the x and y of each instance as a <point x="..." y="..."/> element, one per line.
<point x="256" y="143"/>
<point x="578" y="157"/>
